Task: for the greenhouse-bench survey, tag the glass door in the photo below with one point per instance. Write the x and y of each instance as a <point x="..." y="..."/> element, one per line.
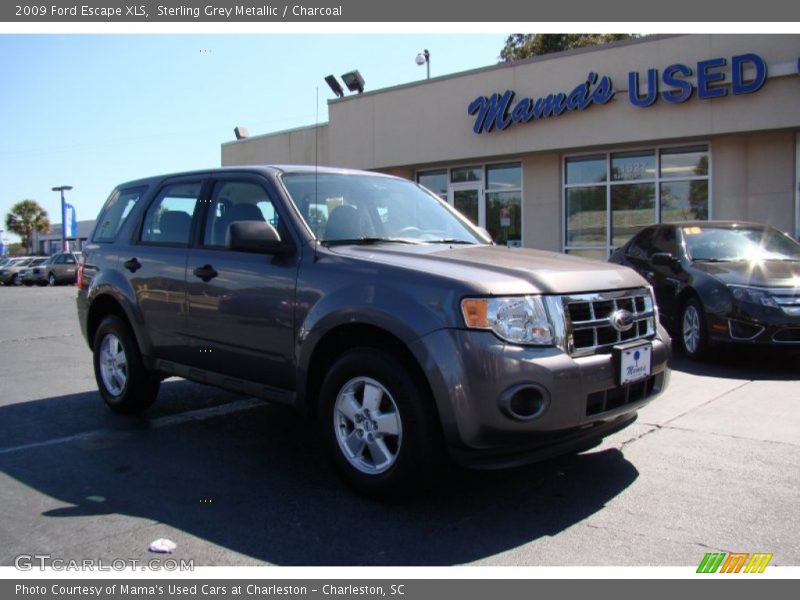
<point x="468" y="199"/>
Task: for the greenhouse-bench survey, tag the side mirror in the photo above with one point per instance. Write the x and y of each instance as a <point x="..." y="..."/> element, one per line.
<point x="254" y="236"/>
<point x="665" y="259"/>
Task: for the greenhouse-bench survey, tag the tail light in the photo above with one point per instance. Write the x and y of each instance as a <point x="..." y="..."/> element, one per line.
<point x="79" y="274"/>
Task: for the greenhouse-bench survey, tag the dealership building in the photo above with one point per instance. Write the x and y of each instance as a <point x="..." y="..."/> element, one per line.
<point x="575" y="151"/>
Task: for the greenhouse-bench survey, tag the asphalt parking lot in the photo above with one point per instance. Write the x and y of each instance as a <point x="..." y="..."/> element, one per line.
<point x="710" y="466"/>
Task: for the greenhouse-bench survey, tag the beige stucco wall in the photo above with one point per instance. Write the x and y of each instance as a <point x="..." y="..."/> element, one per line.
<point x="294" y="147"/>
<point x="753" y="178"/>
<point x="541" y="210"/>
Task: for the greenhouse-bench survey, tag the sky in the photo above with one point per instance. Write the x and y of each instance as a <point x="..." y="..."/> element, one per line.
<point x="92" y="111"/>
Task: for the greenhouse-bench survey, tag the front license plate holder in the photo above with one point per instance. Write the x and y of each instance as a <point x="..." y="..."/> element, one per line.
<point x="634" y="362"/>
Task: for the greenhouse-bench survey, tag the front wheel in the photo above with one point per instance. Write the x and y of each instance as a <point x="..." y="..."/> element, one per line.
<point x="126" y="386"/>
<point x="379" y="423"/>
<point x="51" y="279"/>
<point x="694" y="332"/>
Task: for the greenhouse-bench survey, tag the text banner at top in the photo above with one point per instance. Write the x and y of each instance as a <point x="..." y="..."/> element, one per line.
<point x="340" y="11"/>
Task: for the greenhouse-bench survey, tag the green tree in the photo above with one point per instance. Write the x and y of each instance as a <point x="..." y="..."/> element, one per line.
<point x="25" y="217"/>
<point x="525" y="45"/>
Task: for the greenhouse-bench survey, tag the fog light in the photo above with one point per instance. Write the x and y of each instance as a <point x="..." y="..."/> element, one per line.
<point x="524" y="402"/>
<point x="740" y="330"/>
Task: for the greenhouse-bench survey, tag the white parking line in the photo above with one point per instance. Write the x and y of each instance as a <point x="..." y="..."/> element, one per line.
<point x="158" y="423"/>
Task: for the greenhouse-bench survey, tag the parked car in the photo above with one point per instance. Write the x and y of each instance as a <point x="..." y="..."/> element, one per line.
<point x="26" y="274"/>
<point x="58" y="269"/>
<point x="9" y="273"/>
<point x="393" y="321"/>
<point x="719" y="281"/>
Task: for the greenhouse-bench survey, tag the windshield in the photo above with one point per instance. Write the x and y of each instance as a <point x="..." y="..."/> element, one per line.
<point x="739" y="244"/>
<point x="357" y="208"/>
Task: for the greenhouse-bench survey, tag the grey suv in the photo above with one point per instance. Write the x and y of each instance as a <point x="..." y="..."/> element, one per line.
<point x="365" y="301"/>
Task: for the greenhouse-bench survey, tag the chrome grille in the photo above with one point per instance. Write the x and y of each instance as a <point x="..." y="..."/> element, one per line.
<point x="588" y="319"/>
<point x="787" y="298"/>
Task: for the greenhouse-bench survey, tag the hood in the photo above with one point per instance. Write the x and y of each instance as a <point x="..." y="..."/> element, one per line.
<point x="768" y="273"/>
<point x="497" y="270"/>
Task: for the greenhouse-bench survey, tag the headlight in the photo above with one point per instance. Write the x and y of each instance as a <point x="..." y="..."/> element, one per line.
<point x="519" y="320"/>
<point x="753" y="295"/>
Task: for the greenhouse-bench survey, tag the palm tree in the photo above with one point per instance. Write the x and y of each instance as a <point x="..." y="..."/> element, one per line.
<point x="25" y="217"/>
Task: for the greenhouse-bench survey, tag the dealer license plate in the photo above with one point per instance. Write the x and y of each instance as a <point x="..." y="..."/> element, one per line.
<point x="634" y="363"/>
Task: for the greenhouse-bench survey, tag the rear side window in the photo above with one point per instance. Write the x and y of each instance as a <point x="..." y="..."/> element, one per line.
<point x="116" y="211"/>
<point x="169" y="218"/>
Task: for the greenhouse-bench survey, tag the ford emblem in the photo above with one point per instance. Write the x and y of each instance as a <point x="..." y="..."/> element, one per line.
<point x="622" y="320"/>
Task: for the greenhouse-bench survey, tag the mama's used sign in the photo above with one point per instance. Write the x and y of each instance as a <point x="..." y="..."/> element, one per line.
<point x="675" y="84"/>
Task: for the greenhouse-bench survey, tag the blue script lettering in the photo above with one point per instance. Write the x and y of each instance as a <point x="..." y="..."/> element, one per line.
<point x="496" y="111"/>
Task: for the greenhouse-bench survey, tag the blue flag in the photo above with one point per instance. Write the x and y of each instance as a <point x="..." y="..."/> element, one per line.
<point x="70" y="221"/>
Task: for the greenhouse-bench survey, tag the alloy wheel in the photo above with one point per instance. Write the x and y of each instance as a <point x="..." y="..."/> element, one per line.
<point x="113" y="364"/>
<point x="691" y="329"/>
<point x="367" y="425"/>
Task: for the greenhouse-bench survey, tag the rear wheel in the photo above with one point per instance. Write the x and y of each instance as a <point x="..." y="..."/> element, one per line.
<point x="694" y="331"/>
<point x="14" y="279"/>
<point x="379" y="424"/>
<point x="126" y="386"/>
<point x="51" y="279"/>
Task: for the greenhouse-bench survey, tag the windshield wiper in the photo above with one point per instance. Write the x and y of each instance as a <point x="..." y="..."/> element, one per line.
<point x="365" y="241"/>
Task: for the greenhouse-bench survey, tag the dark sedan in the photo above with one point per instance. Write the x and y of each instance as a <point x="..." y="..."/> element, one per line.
<point x="720" y="281"/>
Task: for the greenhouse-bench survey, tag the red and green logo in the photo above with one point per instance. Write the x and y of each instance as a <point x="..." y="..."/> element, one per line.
<point x="734" y="562"/>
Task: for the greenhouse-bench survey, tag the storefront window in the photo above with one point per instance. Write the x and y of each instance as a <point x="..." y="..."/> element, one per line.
<point x="684" y="162"/>
<point x="504" y="177"/>
<point x="435" y="181"/>
<point x="684" y="201"/>
<point x="464" y="174"/>
<point x="586" y="169"/>
<point x="636" y="188"/>
<point x="586" y="216"/>
<point x="632" y="207"/>
<point x="504" y="217"/>
<point x="627" y="166"/>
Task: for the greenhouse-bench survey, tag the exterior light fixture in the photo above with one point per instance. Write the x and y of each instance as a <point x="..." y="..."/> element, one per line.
<point x="241" y="133"/>
<point x="354" y="81"/>
<point x="334" y="85"/>
<point x="424" y="58"/>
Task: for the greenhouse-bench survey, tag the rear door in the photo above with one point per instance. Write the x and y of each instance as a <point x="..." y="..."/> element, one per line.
<point x="241" y="304"/>
<point x="156" y="265"/>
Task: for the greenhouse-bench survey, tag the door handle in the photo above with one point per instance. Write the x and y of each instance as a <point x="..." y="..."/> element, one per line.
<point x="132" y="264"/>
<point x="206" y="273"/>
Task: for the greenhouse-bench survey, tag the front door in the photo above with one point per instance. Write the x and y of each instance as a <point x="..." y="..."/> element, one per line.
<point x="241" y="304"/>
<point x="468" y="199"/>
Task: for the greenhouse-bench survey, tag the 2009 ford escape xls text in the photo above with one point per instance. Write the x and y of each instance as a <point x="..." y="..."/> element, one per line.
<point x="369" y="303"/>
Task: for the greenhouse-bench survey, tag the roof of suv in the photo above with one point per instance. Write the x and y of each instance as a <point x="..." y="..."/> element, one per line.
<point x="273" y="169"/>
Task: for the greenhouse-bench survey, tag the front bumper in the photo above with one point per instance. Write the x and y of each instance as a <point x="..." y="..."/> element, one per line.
<point x="473" y="373"/>
<point x="757" y="325"/>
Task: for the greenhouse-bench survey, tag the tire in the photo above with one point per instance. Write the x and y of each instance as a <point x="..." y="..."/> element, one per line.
<point x="51" y="279"/>
<point x="126" y="386"/>
<point x="379" y="425"/>
<point x="693" y="329"/>
<point x="14" y="280"/>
